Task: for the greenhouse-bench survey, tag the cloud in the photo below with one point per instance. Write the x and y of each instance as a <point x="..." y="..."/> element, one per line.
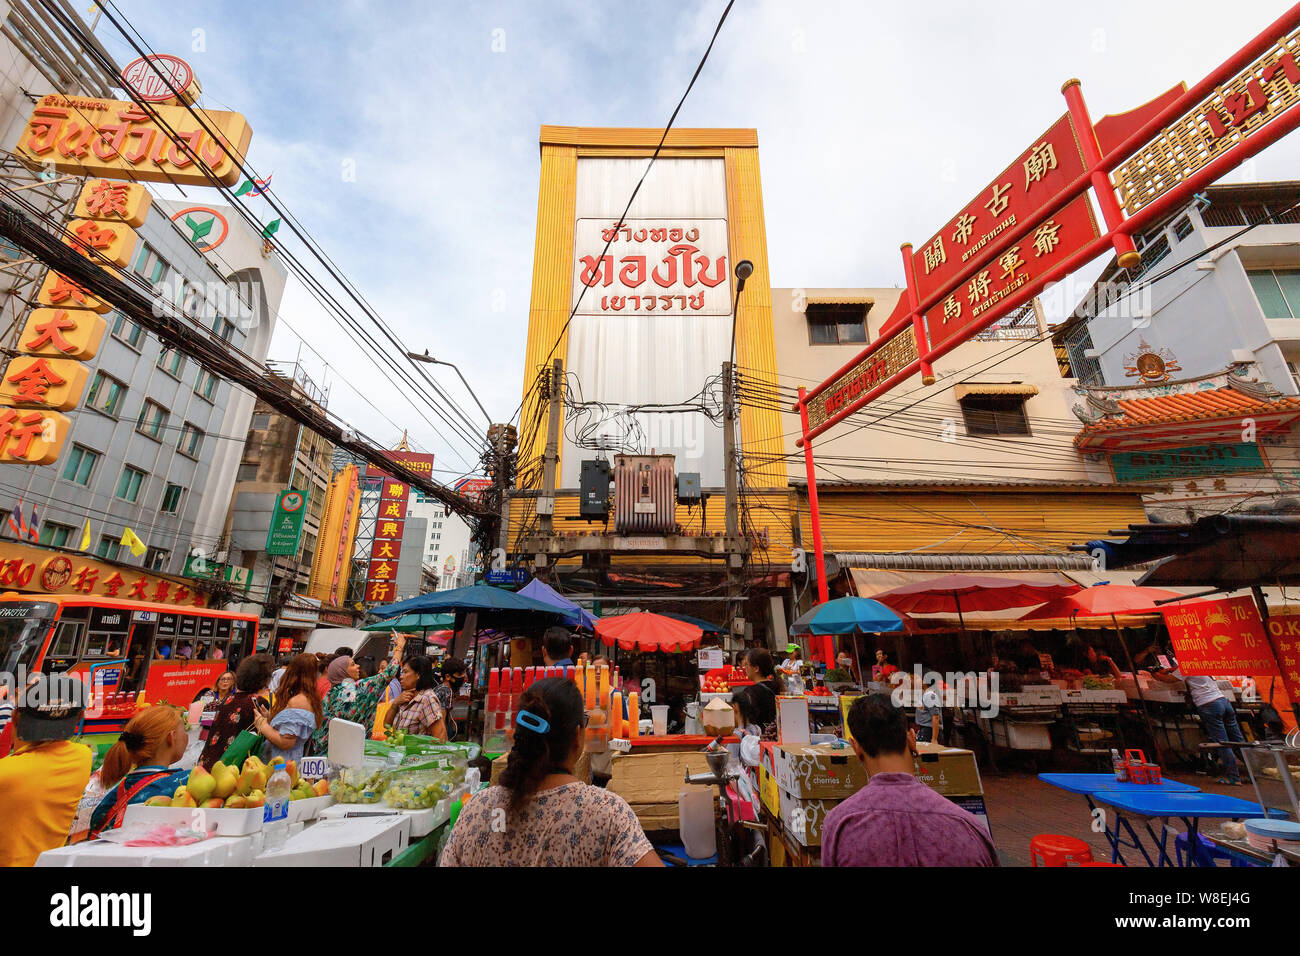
<point x="876" y="122"/>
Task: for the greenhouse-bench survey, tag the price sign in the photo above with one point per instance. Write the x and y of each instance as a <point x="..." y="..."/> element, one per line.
<point x="710" y="658"/>
<point x="313" y="767"/>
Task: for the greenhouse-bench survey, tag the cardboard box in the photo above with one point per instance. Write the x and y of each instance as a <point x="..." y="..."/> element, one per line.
<point x="357" y="841"/>
<point x="768" y="791"/>
<point x="949" y="771"/>
<point x="816" y="771"/>
<point x="650" y="783"/>
<point x="803" y="819"/>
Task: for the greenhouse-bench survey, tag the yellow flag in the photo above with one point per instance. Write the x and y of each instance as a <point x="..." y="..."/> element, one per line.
<point x="85" y="537"/>
<point x="132" y="541"/>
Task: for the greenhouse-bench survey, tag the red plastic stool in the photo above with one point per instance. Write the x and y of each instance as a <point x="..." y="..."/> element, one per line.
<point x="1058" y="850"/>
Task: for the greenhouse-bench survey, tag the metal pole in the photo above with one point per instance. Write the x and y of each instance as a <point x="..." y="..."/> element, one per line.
<point x="552" y="456"/>
<point x="729" y="449"/>
<point x="814" y="512"/>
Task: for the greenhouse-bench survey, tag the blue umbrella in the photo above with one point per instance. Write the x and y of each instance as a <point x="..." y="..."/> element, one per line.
<point x="574" y="616"/>
<point x="476" y="597"/>
<point x="703" y="625"/>
<point x="848" y="615"/>
<point x="411" y="623"/>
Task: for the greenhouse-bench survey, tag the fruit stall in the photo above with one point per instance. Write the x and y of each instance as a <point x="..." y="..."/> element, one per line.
<point x="368" y="803"/>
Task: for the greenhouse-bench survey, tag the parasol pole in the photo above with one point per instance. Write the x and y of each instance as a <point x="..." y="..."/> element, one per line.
<point x="1137" y="684"/>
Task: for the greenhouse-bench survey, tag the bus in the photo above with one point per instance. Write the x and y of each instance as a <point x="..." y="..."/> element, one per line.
<point x="130" y="652"/>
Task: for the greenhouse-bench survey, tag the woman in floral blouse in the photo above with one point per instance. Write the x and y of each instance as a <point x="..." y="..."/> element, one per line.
<point x="551" y="817"/>
<point x="353" y="699"/>
<point x="237" y="713"/>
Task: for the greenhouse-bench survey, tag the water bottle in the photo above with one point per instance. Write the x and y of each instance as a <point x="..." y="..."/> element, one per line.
<point x="1117" y="762"/>
<point x="275" y="815"/>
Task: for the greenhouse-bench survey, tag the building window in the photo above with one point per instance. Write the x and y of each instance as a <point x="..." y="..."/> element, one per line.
<point x="247" y="473"/>
<point x="1152" y="252"/>
<point x="128" y="486"/>
<point x="155" y="559"/>
<point x="261" y="422"/>
<point x="106" y="394"/>
<point x="1278" y="292"/>
<point x="206" y="386"/>
<point x="1295" y="373"/>
<point x="191" y="441"/>
<point x="81" y="462"/>
<point x="171" y="499"/>
<point x="152" y="420"/>
<point x="127" y="331"/>
<point x="836" y="323"/>
<point x="1182" y="228"/>
<point x="224" y="328"/>
<point x="149" y="264"/>
<point x="109" y="547"/>
<point x="172" y="362"/>
<point x="995" y="415"/>
<point x="56" y="535"/>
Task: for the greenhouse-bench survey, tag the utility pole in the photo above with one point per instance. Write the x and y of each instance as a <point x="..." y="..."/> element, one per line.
<point x="546" y="503"/>
<point x="729" y="449"/>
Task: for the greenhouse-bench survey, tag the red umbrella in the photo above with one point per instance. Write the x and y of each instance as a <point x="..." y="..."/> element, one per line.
<point x="644" y="631"/>
<point x="1102" y="600"/>
<point x="970" y="592"/>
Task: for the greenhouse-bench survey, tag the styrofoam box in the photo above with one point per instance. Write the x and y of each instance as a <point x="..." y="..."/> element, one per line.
<point x="227" y="822"/>
<point x="1021" y="735"/>
<point x="218" y="851"/>
<point x="356" y="841"/>
<point x="423" y="822"/>
<point x="309" y="809"/>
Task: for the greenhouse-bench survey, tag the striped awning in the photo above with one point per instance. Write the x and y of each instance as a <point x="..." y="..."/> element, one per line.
<point x="1024" y="391"/>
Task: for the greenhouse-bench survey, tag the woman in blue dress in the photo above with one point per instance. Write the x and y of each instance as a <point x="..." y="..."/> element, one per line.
<point x="297" y="712"/>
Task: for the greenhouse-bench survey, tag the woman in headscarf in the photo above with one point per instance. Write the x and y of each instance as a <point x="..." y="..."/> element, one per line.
<point x="353" y="699"/>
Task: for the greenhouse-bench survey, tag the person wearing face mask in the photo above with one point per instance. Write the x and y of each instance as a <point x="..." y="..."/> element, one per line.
<point x="453" y="678"/>
<point x="351" y="698"/>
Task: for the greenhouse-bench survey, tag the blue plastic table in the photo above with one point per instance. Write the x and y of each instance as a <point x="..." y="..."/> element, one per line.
<point x="1091" y="784"/>
<point x="1188" y="807"/>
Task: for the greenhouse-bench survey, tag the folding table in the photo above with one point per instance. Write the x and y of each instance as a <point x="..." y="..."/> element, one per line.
<point x="1188" y="807"/>
<point x="1091" y="784"/>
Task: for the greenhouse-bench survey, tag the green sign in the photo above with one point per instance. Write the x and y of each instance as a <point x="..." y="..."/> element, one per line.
<point x="198" y="566"/>
<point x="286" y="523"/>
<point x="1193" y="461"/>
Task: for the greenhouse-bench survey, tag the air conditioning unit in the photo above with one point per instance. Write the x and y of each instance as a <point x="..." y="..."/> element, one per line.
<point x="645" y="494"/>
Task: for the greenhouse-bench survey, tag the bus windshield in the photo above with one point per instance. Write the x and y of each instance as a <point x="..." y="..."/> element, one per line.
<point x="23" y="627"/>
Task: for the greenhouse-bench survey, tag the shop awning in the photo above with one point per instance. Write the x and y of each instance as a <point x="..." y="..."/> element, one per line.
<point x="1012" y="390"/>
<point x="874" y="582"/>
<point x="943" y="562"/>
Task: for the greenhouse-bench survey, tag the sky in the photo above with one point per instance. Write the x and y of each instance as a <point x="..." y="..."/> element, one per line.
<point x="403" y="136"/>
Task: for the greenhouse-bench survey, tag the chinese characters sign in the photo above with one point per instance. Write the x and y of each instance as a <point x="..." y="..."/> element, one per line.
<point x="386" y="552"/>
<point x="1042" y="171"/>
<point x="1258" y="95"/>
<point x="889" y="359"/>
<point x="1223" y="638"/>
<point x="119" y="140"/>
<point x="677" y="266"/>
<point x="32" y="569"/>
<point x="1055" y="240"/>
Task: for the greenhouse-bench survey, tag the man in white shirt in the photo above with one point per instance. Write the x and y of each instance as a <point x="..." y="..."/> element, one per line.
<point x="1217" y="714"/>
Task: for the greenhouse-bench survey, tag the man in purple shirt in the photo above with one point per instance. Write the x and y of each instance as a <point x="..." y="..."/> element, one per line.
<point x="895" y="820"/>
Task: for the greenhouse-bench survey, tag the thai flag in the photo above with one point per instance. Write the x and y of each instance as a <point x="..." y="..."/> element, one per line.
<point x="33" y="529"/>
<point x="260" y="186"/>
<point x="19" y="527"/>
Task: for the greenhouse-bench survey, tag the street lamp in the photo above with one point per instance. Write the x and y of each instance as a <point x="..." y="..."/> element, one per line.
<point x="744" y="269"/>
<point x="426" y="357"/>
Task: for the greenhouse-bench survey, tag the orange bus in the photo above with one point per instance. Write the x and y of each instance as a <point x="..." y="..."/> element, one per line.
<point x="124" y="649"/>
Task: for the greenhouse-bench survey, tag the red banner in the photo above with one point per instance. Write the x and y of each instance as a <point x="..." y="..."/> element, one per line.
<point x="1284" y="635"/>
<point x="1054" y="241"/>
<point x="420" y="464"/>
<point x="1219" y="638"/>
<point x="1042" y="171"/>
<point x="381" y="592"/>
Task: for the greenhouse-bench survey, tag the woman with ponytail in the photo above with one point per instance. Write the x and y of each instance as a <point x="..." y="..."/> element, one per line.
<point x="541" y="814"/>
<point x="135" y="768"/>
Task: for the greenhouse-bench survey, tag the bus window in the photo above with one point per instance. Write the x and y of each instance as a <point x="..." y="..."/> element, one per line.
<point x="104" y="644"/>
<point x="67" y="639"/>
<point x="23" y="629"/>
<point x="202" y="649"/>
<point x="162" y="650"/>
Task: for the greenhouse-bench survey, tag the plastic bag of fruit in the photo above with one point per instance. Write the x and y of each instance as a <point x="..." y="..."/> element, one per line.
<point x="364" y="784"/>
<point x="418" y="787"/>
